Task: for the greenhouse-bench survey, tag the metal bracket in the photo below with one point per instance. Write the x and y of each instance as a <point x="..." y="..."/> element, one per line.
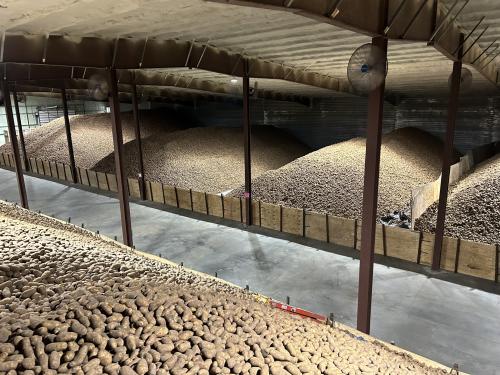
<point x="475" y="41"/>
<point x="115" y="49"/>
<point x="415" y="16"/>
<point x="451" y="22"/>
<point x="443" y="21"/>
<point x="484" y="52"/>
<point x="393" y="19"/>
<point x="333" y="11"/>
<point x="143" y="51"/>
<point x="469" y="35"/>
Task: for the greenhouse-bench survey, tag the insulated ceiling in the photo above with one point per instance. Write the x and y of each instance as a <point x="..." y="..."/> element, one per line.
<point x="278" y="36"/>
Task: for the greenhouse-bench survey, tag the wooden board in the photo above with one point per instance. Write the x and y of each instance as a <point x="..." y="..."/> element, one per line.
<point x="60" y="171"/>
<point x="53" y="169"/>
<point x="232" y="208"/>
<point x="255" y="212"/>
<point x="270" y="216"/>
<point x="215" y="205"/>
<point x="102" y="182"/>
<point x="149" y="193"/>
<point x="402" y="243"/>
<point x="316" y="227"/>
<point x="133" y="188"/>
<point x="83" y="176"/>
<point x="2" y="160"/>
<point x="69" y="174"/>
<point x="11" y="162"/>
<point x="341" y="231"/>
<point x="93" y="178"/>
<point x="292" y="221"/>
<point x="477" y="259"/>
<point x="448" y="254"/>
<point x="427" y="248"/>
<point x="157" y="192"/>
<point x="184" y="197"/>
<point x="39" y="165"/>
<point x="199" y="202"/>
<point x="33" y="166"/>
<point x="113" y="186"/>
<point x="170" y="195"/>
<point x="46" y="167"/>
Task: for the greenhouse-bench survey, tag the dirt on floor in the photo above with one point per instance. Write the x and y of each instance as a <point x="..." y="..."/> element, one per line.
<point x="92" y="135"/>
<point x="208" y="159"/>
<point x="330" y="180"/>
<point x="75" y="303"/>
<point x="473" y="210"/>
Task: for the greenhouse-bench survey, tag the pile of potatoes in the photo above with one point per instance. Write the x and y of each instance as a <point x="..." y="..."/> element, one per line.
<point x="72" y="302"/>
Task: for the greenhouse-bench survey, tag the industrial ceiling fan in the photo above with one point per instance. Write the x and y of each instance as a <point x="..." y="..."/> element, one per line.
<point x="367" y="68"/>
<point x="98" y="87"/>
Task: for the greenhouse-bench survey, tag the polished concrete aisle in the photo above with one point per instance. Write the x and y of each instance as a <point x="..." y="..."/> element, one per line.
<point x="443" y="321"/>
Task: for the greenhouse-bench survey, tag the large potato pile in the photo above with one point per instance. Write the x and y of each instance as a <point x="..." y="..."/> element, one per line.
<point x="473" y="206"/>
<point x="91" y="135"/>
<point x="208" y="159"/>
<point x="330" y="180"/>
<point x="74" y="303"/>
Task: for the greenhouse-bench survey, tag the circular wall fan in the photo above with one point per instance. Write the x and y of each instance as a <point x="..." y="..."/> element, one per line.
<point x="367" y="68"/>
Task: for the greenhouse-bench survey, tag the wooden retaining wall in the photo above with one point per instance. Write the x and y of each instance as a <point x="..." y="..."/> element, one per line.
<point x="424" y="196"/>
<point x="459" y="256"/>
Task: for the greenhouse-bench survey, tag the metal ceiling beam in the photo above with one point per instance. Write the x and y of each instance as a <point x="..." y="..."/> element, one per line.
<point x="127" y="53"/>
<point x="76" y="78"/>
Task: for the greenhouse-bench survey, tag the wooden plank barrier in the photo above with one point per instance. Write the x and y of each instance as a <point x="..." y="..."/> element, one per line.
<point x="316" y="226"/>
<point x="341" y="231"/>
<point x="459" y="256"/>
<point x="53" y="169"/>
<point x="102" y="181"/>
<point x="33" y="166"/>
<point x="255" y="212"/>
<point x="133" y="188"/>
<point x="292" y="221"/>
<point x="215" y="205"/>
<point x="233" y="208"/>
<point x="157" y="192"/>
<point x="84" y="178"/>
<point x="270" y="216"/>
<point x="149" y="193"/>
<point x="170" y="196"/>
<point x="61" y="171"/>
<point x="184" y="198"/>
<point x="477" y="259"/>
<point x="199" y="202"/>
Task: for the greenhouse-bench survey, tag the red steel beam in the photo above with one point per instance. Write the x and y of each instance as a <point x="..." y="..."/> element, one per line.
<point x="14" y="145"/>
<point x="138" y="140"/>
<point x="69" y="139"/>
<point x="20" y="129"/>
<point x="247" y="143"/>
<point x="121" y="178"/>
<point x="447" y="158"/>
<point x="370" y="198"/>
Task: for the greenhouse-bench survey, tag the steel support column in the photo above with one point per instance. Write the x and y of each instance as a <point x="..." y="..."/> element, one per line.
<point x="20" y="130"/>
<point x="121" y="178"/>
<point x="247" y="140"/>
<point x="370" y="198"/>
<point x="14" y="145"/>
<point x="447" y="159"/>
<point x="138" y="141"/>
<point x="69" y="139"/>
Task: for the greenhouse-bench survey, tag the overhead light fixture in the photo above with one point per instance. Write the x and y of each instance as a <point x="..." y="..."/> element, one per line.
<point x="234" y="81"/>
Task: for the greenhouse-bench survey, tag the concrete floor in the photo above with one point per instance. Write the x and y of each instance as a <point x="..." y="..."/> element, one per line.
<point x="444" y="321"/>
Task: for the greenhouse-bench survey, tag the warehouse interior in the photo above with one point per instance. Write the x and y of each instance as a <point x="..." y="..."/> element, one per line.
<point x="249" y="187"/>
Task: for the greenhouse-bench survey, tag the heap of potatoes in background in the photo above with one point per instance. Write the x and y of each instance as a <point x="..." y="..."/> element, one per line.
<point x="72" y="302"/>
